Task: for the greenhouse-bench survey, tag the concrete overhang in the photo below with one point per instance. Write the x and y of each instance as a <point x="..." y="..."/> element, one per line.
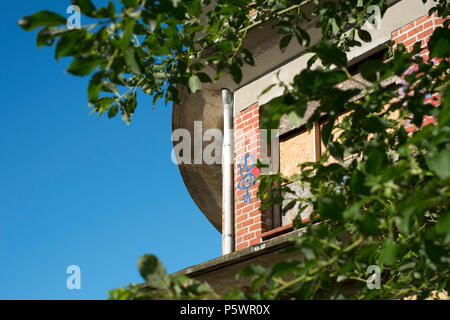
<point x="221" y="272"/>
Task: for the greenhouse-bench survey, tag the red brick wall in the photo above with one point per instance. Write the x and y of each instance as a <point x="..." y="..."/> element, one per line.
<point x="420" y="29"/>
<point x="249" y="221"/>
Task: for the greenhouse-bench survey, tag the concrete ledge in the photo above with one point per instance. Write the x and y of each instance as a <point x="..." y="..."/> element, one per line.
<point x="221" y="272"/>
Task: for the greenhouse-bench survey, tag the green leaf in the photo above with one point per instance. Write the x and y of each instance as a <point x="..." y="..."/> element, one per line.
<point x="266" y="90"/>
<point x="224" y="46"/>
<point x="367" y="223"/>
<point x="66" y="43"/>
<point x="330" y="208"/>
<point x="132" y="62"/>
<point x="204" y="287"/>
<point x="334" y="26"/>
<point x="175" y="3"/>
<point x="251" y="270"/>
<point x="128" y="28"/>
<point x="126" y="116"/>
<point x="302" y="36"/>
<point x="153" y="271"/>
<point x="203" y="77"/>
<point x="247" y="56"/>
<point x="95" y="84"/>
<point x="341" y="277"/>
<point x="284" y="267"/>
<point x="329" y="53"/>
<point x="434" y="251"/>
<point x="357" y="184"/>
<point x="113" y="111"/>
<point x="440" y="164"/>
<point x="375" y="161"/>
<point x="45" y="37"/>
<point x="406" y="266"/>
<point x="256" y="272"/>
<point x="84" y="66"/>
<point x="444" y="114"/>
<point x="370" y="68"/>
<point x="130" y="3"/>
<point x="194" y="83"/>
<point x="108" y="12"/>
<point x="103" y="104"/>
<point x="367" y="252"/>
<point x="311" y="61"/>
<point x="308" y="253"/>
<point x="119" y="294"/>
<point x="41" y="19"/>
<point x="272" y="113"/>
<point x="295" y="119"/>
<point x="86" y="7"/>
<point x="109" y="87"/>
<point x="443" y="224"/>
<point x="389" y="252"/>
<point x="195" y="8"/>
<point x="284" y="42"/>
<point x="130" y="103"/>
<point x="439" y="44"/>
<point x="364" y="35"/>
<point x="236" y="72"/>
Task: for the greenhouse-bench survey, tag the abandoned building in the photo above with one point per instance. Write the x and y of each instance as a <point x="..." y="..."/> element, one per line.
<point x="227" y="193"/>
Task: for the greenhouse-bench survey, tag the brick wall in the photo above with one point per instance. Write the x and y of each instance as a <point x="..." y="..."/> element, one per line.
<point x="249" y="221"/>
<point x="420" y="29"/>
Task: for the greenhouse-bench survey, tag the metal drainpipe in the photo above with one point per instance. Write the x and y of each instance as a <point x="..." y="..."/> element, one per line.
<point x="227" y="167"/>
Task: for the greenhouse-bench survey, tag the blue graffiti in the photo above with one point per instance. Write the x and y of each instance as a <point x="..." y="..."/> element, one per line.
<point x="247" y="177"/>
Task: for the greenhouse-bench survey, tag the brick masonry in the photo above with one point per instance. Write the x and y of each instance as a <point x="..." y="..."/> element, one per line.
<point x="250" y="223"/>
<point x="418" y="30"/>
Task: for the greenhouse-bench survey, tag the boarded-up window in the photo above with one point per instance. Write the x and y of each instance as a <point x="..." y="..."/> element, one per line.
<point x="296" y="149"/>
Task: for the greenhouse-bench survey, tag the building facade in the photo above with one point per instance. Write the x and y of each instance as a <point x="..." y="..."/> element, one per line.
<point x="258" y="234"/>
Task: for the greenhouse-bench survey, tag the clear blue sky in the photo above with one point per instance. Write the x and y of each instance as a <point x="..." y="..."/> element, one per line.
<point x="75" y="189"/>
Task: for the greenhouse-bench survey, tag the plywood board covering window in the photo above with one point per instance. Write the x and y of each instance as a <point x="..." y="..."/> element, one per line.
<point x="294" y="150"/>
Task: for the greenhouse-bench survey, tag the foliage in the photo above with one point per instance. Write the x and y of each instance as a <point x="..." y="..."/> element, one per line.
<point x="380" y="193"/>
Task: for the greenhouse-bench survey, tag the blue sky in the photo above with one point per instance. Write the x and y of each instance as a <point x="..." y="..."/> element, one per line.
<point x="76" y="189"/>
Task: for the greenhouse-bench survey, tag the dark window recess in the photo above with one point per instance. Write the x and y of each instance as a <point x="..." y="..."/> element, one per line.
<point x="379" y="55"/>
